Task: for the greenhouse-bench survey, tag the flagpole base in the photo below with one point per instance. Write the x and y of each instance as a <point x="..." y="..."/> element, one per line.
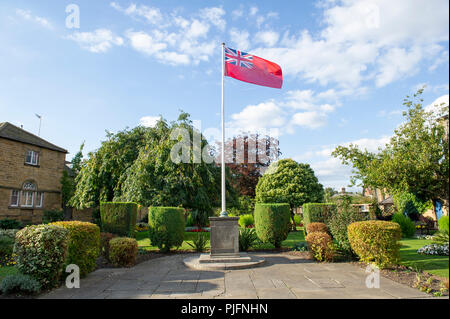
<point x="223" y="214"/>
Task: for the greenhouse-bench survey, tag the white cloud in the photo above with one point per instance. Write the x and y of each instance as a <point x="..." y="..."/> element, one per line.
<point x="240" y="38"/>
<point x="197" y="29"/>
<point x="27" y="15"/>
<point x="98" y="41"/>
<point x="215" y="16"/>
<point x="259" y="117"/>
<point x="269" y="38"/>
<point x="311" y="119"/>
<point x="149" y="121"/>
<point x="149" y="14"/>
<point x="366" y="40"/>
<point x="253" y="10"/>
<point x="437" y="104"/>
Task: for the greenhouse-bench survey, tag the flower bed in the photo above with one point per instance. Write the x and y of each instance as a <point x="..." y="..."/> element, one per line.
<point x="434" y="249"/>
<point x="197" y="229"/>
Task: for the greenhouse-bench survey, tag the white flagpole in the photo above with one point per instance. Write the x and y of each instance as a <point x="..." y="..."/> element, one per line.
<point x="224" y="212"/>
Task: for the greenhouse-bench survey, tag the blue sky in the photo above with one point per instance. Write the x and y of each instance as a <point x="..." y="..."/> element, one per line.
<point x="347" y="66"/>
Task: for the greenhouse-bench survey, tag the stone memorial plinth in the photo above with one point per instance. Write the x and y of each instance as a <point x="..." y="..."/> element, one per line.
<point x="224" y="241"/>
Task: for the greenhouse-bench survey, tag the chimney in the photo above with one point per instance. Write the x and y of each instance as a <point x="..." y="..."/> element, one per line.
<point x="343" y="190"/>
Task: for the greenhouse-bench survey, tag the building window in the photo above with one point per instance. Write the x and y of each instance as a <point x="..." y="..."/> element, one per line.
<point x="32" y="158"/>
<point x="39" y="199"/>
<point x="15" y="198"/>
<point x="27" y="198"/>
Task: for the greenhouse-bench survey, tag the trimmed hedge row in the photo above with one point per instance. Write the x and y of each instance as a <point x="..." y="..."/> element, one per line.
<point x="272" y="222"/>
<point x="318" y="212"/>
<point x="118" y="218"/>
<point x="376" y="241"/>
<point x="83" y="246"/>
<point x="166" y="227"/>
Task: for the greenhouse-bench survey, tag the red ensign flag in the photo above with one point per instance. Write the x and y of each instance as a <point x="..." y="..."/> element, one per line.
<point x="252" y="69"/>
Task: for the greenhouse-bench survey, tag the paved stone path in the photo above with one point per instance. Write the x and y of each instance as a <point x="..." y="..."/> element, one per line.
<point x="282" y="276"/>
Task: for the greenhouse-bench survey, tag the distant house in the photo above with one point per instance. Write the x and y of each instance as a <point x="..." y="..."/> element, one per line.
<point x="30" y="172"/>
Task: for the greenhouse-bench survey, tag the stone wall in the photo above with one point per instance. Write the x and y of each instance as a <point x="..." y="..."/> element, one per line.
<point x="14" y="173"/>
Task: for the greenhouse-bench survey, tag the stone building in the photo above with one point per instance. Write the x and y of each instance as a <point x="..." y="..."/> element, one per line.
<point x="30" y="173"/>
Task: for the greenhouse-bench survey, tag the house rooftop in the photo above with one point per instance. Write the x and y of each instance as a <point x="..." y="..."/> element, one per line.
<point x="14" y="133"/>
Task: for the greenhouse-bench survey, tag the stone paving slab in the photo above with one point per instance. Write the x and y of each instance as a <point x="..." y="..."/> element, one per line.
<point x="281" y="276"/>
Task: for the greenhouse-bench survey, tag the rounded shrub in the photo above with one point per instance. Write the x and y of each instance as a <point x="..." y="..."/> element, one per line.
<point x="272" y="222"/>
<point x="19" y="284"/>
<point x="376" y="241"/>
<point x="84" y="245"/>
<point x="123" y="251"/>
<point x="320" y="245"/>
<point x="316" y="227"/>
<point x="406" y="224"/>
<point x="166" y="227"/>
<point x="41" y="251"/>
<point x="246" y="221"/>
<point x="6" y="246"/>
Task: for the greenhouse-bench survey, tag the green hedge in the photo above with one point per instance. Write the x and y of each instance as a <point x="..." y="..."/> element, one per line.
<point x="118" y="218"/>
<point x="272" y="222"/>
<point x="406" y="224"/>
<point x="41" y="251"/>
<point x="123" y="251"/>
<point x="318" y="212"/>
<point x="166" y="227"/>
<point x="84" y="245"/>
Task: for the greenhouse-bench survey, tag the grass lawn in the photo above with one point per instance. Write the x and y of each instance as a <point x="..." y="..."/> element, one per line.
<point x="436" y="265"/>
<point x="144" y="241"/>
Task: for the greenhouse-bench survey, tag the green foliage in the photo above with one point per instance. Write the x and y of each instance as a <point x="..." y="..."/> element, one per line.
<point x="96" y="217"/>
<point x="19" y="284"/>
<point x="338" y="223"/>
<point x="328" y="193"/>
<point x="199" y="242"/>
<point x="10" y="224"/>
<point x="198" y="218"/>
<point x="135" y="166"/>
<point x="105" y="238"/>
<point x="318" y="212"/>
<point x="41" y="251"/>
<point x="247" y="238"/>
<point x="68" y="182"/>
<point x="84" y="245"/>
<point x="300" y="246"/>
<point x="443" y="223"/>
<point x="416" y="159"/>
<point x="11" y="233"/>
<point x="246" y="221"/>
<point x="119" y="218"/>
<point x="50" y="216"/>
<point x="406" y="224"/>
<point x="297" y="219"/>
<point x="272" y="222"/>
<point x="123" y="251"/>
<point x="376" y="241"/>
<point x="6" y="247"/>
<point x="441" y="238"/>
<point x="246" y="205"/>
<point x="166" y="227"/>
<point x="287" y="181"/>
<point x="408" y="203"/>
<point x="320" y="245"/>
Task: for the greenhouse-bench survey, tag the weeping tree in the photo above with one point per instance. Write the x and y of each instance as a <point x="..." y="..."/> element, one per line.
<point x="147" y="166"/>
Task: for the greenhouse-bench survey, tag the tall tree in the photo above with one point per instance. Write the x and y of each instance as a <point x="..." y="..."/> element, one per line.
<point x="136" y="165"/>
<point x="287" y="181"/>
<point x="415" y="160"/>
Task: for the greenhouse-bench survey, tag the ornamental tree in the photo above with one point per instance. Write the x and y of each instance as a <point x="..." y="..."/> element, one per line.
<point x="287" y="181"/>
<point x="415" y="160"/>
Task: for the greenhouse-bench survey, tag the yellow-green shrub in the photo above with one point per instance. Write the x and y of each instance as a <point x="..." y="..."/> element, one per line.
<point x="316" y="227"/>
<point x="376" y="241"/>
<point x="84" y="245"/>
<point x="123" y="251"/>
<point x="320" y="245"/>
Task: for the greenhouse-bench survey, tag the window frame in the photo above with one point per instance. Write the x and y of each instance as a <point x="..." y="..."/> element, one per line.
<point x="25" y="194"/>
<point x="40" y="203"/>
<point x="34" y="158"/>
<point x="17" y="203"/>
